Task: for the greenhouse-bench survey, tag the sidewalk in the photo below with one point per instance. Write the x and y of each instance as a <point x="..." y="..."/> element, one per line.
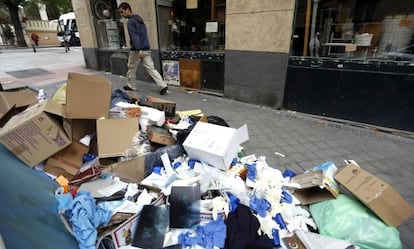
<point x="292" y="140"/>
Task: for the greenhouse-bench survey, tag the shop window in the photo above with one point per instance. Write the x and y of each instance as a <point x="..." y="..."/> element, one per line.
<point x="351" y="29"/>
<point x="191" y="25"/>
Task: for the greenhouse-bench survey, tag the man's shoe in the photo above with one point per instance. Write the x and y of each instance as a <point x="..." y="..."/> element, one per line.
<point x="128" y="88"/>
<point x="164" y="90"/>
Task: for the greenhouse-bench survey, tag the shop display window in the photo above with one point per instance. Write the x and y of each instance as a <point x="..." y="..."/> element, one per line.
<point x="191" y="25"/>
<point x="354" y="29"/>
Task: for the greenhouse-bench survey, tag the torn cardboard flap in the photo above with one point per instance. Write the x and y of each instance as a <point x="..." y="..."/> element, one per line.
<point x="129" y="171"/>
<point x="19" y="97"/>
<point x="376" y="194"/>
<point x="316" y="184"/>
<point x="312" y="188"/>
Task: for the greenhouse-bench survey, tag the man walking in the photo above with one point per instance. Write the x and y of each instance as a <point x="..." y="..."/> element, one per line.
<point x="140" y="50"/>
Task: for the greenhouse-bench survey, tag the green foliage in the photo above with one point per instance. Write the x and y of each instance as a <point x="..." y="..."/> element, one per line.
<point x="31" y="10"/>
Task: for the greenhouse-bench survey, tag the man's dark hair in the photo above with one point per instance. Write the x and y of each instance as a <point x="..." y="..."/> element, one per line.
<point x="124" y="6"/>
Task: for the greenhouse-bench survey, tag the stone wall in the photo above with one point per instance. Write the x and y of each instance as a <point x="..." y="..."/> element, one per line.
<point x="258" y="35"/>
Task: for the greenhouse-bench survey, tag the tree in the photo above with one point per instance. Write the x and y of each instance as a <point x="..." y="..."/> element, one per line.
<point x="13" y="7"/>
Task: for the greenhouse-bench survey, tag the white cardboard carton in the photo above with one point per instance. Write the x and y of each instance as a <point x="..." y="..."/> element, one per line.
<point x="214" y="144"/>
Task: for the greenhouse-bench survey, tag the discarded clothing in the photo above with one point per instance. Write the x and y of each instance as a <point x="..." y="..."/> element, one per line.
<point x="242" y="227"/>
<point x="85" y="217"/>
<point x="119" y="96"/>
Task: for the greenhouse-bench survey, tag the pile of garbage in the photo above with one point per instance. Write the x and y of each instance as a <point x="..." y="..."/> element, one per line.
<point x="135" y="173"/>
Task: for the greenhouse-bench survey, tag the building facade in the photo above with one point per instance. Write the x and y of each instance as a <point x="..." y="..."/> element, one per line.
<point x="344" y="59"/>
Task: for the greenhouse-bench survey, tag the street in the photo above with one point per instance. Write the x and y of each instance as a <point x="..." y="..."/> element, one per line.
<point x="287" y="139"/>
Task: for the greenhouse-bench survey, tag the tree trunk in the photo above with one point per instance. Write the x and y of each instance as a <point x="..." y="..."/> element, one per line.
<point x="14" y="15"/>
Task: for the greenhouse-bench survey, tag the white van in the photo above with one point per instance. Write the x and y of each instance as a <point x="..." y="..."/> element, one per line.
<point x="67" y="29"/>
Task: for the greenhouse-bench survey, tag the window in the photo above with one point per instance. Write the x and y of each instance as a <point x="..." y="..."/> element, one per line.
<point x="351" y="29"/>
<point x="186" y="25"/>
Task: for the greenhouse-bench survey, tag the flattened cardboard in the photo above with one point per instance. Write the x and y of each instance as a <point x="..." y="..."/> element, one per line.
<point x="214" y="144"/>
<point x="69" y="159"/>
<point x="160" y="136"/>
<point x="376" y="194"/>
<point x="87" y="96"/>
<point x="114" y="136"/>
<point x="128" y="171"/>
<point x="35" y="134"/>
<point x="316" y="184"/>
<point x="311" y="190"/>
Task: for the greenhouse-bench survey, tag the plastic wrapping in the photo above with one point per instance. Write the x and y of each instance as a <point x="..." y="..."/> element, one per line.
<point x="60" y="95"/>
<point x="346" y="218"/>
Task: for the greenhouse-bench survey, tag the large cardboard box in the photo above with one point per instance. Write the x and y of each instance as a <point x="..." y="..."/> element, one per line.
<point x="87" y="96"/>
<point x="36" y="133"/>
<point x="376" y="194"/>
<point x="115" y="135"/>
<point x="214" y="144"/>
<point x="13" y="101"/>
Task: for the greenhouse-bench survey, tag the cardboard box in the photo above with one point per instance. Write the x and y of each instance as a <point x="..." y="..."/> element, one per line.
<point x="36" y="133"/>
<point x="79" y="128"/>
<point x="189" y="113"/>
<point x="376" y="194"/>
<point x="87" y="96"/>
<point x="161" y="104"/>
<point x="16" y="100"/>
<point x="317" y="184"/>
<point x="114" y="136"/>
<point x="125" y="110"/>
<point x="214" y="144"/>
<point x="68" y="161"/>
<point x="160" y="136"/>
